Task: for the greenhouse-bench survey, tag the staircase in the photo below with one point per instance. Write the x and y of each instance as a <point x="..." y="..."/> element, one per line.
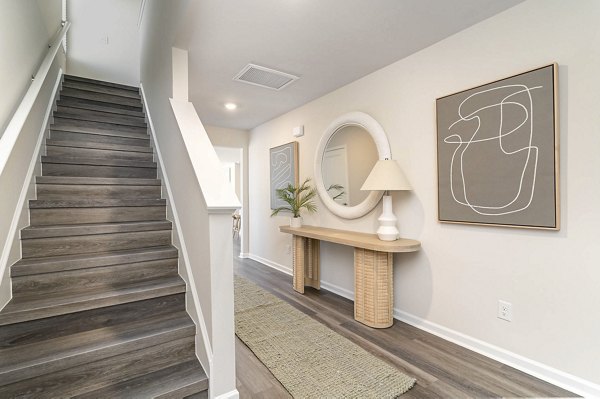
<point x="98" y="307"/>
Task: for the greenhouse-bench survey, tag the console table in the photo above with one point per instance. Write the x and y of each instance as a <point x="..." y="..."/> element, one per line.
<point x="373" y="274"/>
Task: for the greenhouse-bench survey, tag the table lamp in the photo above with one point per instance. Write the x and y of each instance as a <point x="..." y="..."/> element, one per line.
<point x="387" y="176"/>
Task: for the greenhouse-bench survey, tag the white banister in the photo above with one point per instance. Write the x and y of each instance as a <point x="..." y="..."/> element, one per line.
<point x="14" y="127"/>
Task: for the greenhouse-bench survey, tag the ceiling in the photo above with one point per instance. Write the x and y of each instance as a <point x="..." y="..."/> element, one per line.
<point x="327" y="43"/>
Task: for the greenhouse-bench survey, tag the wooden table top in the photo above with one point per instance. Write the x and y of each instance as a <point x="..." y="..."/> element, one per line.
<point x="354" y="239"/>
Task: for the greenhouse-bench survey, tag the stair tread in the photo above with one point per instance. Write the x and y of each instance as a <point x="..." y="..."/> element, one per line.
<point x="128" y="181"/>
<point x="49" y="264"/>
<point x="78" y="125"/>
<point x="103" y="89"/>
<point x="23" y="309"/>
<point x="100" y="97"/>
<point x="98" y="342"/>
<point x="118" y="109"/>
<point x="98" y="146"/>
<point x="92" y="228"/>
<point x="98" y="161"/>
<point x="183" y="379"/>
<point x="100" y="82"/>
<point x="98" y="116"/>
<point x="95" y="203"/>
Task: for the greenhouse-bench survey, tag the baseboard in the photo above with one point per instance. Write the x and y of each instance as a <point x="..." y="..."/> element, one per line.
<point x="544" y="372"/>
<point x="229" y="395"/>
<point x="244" y="255"/>
<point x="539" y="370"/>
<point x="274" y="265"/>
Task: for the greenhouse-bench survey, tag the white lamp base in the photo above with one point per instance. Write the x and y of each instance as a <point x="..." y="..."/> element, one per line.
<point x="387" y="230"/>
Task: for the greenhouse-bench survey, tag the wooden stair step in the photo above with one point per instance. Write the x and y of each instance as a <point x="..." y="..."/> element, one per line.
<point x="96" y="228"/>
<point x="100" y="97"/>
<point x="96" y="88"/>
<point x="178" y="381"/>
<point x="99" y="146"/>
<point x="123" y="181"/>
<point x="61" y="151"/>
<point x="116" y="214"/>
<point x="93" y="243"/>
<point x="90" y="139"/>
<point x="75" y="78"/>
<point x="102" y="373"/>
<point x="50" y="264"/>
<point x="17" y="311"/>
<point x="80" y="280"/>
<point x="100" y="106"/>
<point x="28" y="361"/>
<point x="98" y="116"/>
<point x="66" y="187"/>
<point x="97" y="167"/>
<point x="98" y="162"/>
<point x="96" y="203"/>
<point x="106" y="128"/>
<point x="39" y="330"/>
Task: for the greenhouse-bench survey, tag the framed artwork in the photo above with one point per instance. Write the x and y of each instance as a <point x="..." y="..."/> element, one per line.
<point x="497" y="152"/>
<point x="283" y="169"/>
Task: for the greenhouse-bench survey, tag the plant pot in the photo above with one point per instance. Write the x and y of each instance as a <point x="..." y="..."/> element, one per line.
<point x="296" y="222"/>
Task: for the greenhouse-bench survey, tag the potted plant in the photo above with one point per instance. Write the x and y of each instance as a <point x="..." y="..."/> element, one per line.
<point x="296" y="198"/>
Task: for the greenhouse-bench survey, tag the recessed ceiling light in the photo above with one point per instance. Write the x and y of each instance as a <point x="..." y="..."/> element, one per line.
<point x="230" y="106"/>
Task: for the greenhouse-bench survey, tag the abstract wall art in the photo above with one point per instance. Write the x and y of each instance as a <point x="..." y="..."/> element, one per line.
<point x="498" y="152"/>
<point x="283" y="169"/>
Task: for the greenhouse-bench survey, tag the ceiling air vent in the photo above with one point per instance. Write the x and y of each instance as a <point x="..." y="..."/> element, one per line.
<point x="264" y="77"/>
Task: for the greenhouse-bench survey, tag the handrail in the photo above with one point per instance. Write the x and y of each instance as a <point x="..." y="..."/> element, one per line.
<point x="14" y="127"/>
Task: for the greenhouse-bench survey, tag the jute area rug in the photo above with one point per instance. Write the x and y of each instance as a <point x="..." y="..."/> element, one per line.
<point x="309" y="359"/>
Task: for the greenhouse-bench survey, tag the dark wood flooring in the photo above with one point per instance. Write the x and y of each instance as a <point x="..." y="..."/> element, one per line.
<point x="442" y="369"/>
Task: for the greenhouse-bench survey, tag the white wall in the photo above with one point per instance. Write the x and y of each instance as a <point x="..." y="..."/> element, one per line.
<point x="89" y="55"/>
<point x="23" y="46"/>
<point x="455" y="281"/>
<point x="235" y="138"/>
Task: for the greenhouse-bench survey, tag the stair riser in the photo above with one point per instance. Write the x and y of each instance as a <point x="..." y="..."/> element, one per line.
<point x="58" y="191"/>
<point x="96" y="88"/>
<point x="109" y="277"/>
<point x="104" y="353"/>
<point x="98" y="138"/>
<point x="105" y="372"/>
<point x="56" y="169"/>
<point x="48" y="217"/>
<point x="41" y="247"/>
<point x="98" y="106"/>
<point x="73" y="78"/>
<point x="69" y="124"/>
<point x="105" y="98"/>
<point x="96" y="116"/>
<point x="57" y="151"/>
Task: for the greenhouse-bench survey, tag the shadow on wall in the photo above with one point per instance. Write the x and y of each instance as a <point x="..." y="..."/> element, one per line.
<point x="413" y="266"/>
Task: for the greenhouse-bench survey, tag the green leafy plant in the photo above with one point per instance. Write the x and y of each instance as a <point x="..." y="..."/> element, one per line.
<point x="296" y="198"/>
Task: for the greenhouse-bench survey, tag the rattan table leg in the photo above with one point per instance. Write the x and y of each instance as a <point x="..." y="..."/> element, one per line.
<point x="373" y="288"/>
<point x="306" y="263"/>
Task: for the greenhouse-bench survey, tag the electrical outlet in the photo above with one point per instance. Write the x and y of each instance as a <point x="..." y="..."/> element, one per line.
<point x="505" y="310"/>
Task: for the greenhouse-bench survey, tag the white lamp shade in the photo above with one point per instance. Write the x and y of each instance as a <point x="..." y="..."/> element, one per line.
<point x="386" y="175"/>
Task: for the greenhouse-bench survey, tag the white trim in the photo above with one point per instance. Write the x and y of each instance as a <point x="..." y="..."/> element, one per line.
<point x="183" y="249"/>
<point x="12" y="131"/>
<point x="336" y="289"/>
<point x="534" y="368"/>
<point x="229" y="395"/>
<point x="244" y="255"/>
<point x="373" y="127"/>
<point x="549" y="374"/>
<point x="266" y="262"/>
<point x="14" y="225"/>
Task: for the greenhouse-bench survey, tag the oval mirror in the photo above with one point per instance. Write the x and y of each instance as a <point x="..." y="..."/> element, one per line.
<point x="347" y="152"/>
